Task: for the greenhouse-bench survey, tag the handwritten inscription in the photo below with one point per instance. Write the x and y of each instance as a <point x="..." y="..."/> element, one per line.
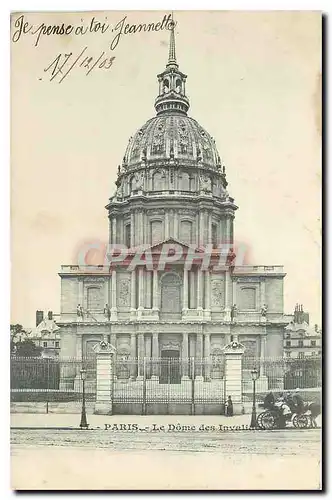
<point x="63" y="64"/>
<point x="23" y="27"/>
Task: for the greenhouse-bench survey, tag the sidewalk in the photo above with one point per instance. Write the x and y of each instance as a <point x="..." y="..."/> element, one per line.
<point x="72" y="421"/>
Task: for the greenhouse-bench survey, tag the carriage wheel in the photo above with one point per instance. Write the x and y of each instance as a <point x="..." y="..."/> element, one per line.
<point x="259" y="420"/>
<point x="301" y="421"/>
<point x="268" y="420"/>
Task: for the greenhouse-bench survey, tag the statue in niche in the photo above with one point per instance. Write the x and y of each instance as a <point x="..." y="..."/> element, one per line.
<point x="107" y="312"/>
<point x="205" y="183"/>
<point x="139" y="178"/>
<point x="234" y="311"/>
<point x="264" y="310"/>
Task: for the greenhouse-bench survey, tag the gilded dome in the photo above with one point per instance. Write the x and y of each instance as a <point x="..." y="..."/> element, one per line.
<point x="172" y="136"/>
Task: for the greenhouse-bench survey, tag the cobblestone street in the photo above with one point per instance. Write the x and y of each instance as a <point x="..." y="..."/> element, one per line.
<point x="145" y="458"/>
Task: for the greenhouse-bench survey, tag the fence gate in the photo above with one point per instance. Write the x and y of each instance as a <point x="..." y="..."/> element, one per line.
<point x="166" y="386"/>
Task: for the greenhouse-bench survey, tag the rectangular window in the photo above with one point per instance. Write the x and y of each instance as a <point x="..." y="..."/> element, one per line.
<point x="57" y="344"/>
<point x="300" y="343"/>
<point x="288" y="343"/>
<point x="301" y="355"/>
<point x="44" y="344"/>
<point x="288" y="354"/>
<point x="287" y="335"/>
<point x="313" y="343"/>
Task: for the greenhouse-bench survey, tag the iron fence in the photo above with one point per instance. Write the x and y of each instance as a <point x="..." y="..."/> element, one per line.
<point x="161" y="385"/>
<point x="281" y="374"/>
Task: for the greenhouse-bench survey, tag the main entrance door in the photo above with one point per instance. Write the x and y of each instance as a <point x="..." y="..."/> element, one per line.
<point x="170" y="367"/>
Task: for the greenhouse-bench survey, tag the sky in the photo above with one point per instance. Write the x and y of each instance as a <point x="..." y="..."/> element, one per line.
<point x="253" y="83"/>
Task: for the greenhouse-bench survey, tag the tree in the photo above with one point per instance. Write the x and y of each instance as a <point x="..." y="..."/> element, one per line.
<point x="27" y="349"/>
<point x="20" y="345"/>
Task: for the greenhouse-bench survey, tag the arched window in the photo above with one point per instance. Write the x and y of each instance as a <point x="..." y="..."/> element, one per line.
<point x="171" y="299"/>
<point x="158" y="181"/>
<point x="166" y="86"/>
<point x="184" y="184"/>
<point x="178" y="85"/>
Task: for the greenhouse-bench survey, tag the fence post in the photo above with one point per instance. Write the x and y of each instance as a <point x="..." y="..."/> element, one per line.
<point x="144" y="388"/>
<point x="193" y="386"/>
<point x="233" y="373"/>
<point x="104" y="374"/>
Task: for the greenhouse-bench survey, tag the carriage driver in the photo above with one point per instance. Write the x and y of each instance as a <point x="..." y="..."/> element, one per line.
<point x="282" y="403"/>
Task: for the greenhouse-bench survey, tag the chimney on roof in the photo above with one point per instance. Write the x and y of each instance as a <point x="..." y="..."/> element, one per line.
<point x="39" y="317"/>
<point x="50" y="315"/>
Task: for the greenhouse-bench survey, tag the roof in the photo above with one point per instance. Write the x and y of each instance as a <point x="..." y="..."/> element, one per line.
<point x="46" y="328"/>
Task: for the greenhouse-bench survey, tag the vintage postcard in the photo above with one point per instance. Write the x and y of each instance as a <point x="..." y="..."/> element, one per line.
<point x="166" y="329"/>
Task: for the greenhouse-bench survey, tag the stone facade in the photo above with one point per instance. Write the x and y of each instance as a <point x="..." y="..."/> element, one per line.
<point x="171" y="189"/>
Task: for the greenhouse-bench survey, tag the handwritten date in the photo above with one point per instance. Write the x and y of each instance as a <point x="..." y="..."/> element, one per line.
<point x="63" y="64"/>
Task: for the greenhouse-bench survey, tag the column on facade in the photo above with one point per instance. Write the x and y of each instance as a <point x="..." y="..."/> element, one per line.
<point x="166" y="224"/>
<point x="141" y="353"/>
<point x="207" y="294"/>
<point x="140" y="290"/>
<point x="113" y="286"/>
<point x="106" y="292"/>
<point x="140" y="227"/>
<point x="155" y="354"/>
<point x="228" y="230"/>
<point x="155" y="285"/>
<point x="121" y="231"/>
<point x="132" y="229"/>
<point x="199" y="295"/>
<point x="185" y="290"/>
<point x="176" y="224"/>
<point x="185" y="355"/>
<point x="199" y="355"/>
<point x="209" y="218"/>
<point x="114" y="230"/>
<point x="263" y="354"/>
<point x="133" y="364"/>
<point x="231" y="231"/>
<point x="207" y="348"/>
<point x="227" y="297"/>
<point x="133" y="294"/>
<point x="148" y="278"/>
<point x="201" y="227"/>
<point x="234" y="285"/>
<point x="113" y="342"/>
<point x="192" y="289"/>
<point x="262" y="292"/>
<point x="197" y="228"/>
<point x="81" y="292"/>
<point x="222" y="231"/>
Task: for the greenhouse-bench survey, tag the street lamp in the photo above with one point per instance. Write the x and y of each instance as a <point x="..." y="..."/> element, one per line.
<point x="84" y="424"/>
<point x="254" y="377"/>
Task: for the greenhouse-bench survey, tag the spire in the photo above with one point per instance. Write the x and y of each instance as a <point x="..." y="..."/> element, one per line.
<point x="171" y="53"/>
<point x="172" y="83"/>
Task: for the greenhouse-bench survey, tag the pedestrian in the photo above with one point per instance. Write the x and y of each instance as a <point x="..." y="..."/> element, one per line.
<point x="229" y="407"/>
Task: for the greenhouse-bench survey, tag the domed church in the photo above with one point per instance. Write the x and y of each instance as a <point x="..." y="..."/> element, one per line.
<point x="171" y="192"/>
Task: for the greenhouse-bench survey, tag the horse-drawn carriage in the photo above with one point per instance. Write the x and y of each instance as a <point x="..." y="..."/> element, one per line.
<point x="274" y="417"/>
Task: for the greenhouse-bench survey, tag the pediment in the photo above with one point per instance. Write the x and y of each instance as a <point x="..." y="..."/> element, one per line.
<point x="158" y="248"/>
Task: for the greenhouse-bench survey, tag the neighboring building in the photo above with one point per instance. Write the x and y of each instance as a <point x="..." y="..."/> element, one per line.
<point x="301" y="340"/>
<point x="171" y="188"/>
<point x="46" y="334"/>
